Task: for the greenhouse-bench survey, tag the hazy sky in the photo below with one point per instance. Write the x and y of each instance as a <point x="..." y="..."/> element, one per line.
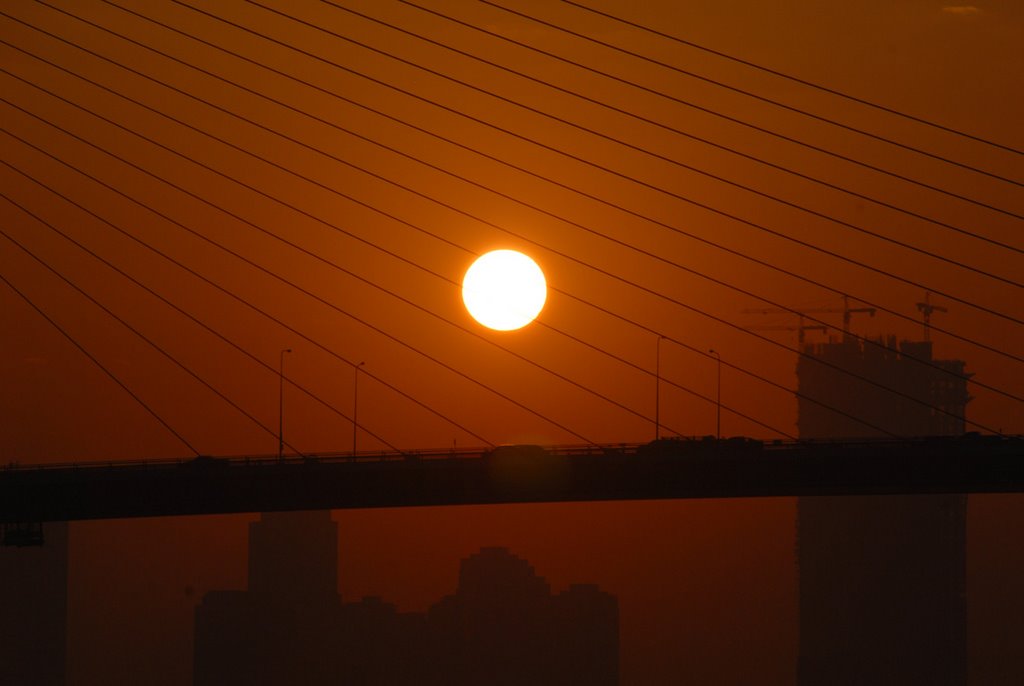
<point x="306" y="192"/>
<point x="291" y="184"/>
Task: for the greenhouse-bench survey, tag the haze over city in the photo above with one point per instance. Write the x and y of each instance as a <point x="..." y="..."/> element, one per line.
<point x="241" y="228"/>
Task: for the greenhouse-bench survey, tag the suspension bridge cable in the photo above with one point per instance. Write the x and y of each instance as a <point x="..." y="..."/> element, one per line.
<point x="233" y="295"/>
<point x="350" y="273"/>
<point x="326" y="122"/>
<point x="750" y="189"/>
<point x="761" y="98"/>
<point x="437" y="275"/>
<point x="299" y="386"/>
<point x="404" y="222"/>
<point x="500" y="228"/>
<point x="594" y="101"/>
<point x="96" y="361"/>
<point x="722" y="146"/>
<point x="743" y="370"/>
<point x="696" y="203"/>
<point x="790" y="77"/>
<point x="743" y="255"/>
<point x="706" y="141"/>
<point x="740" y="154"/>
<point x="672" y="383"/>
<point x="729" y="324"/>
<point x="145" y="338"/>
<point x="184" y="313"/>
<point x="437" y="168"/>
<point x="574" y="338"/>
<point x="295" y="286"/>
<point x="451" y="282"/>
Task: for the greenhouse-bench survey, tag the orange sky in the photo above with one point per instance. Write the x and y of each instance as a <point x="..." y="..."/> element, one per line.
<point x="279" y="172"/>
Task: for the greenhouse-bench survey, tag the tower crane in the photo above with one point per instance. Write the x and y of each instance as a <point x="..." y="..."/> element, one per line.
<point x="926" y="308"/>
<point x="846" y="311"/>
<point x="801" y="328"/>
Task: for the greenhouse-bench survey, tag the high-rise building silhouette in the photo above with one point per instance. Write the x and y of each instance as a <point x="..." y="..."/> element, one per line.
<point x="34" y="607"/>
<point x="929" y="399"/>
<point x="882" y="578"/>
<point x="283" y="629"/>
<point x="501" y="626"/>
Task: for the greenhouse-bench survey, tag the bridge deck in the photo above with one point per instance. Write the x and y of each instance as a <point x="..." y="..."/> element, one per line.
<point x="512" y="474"/>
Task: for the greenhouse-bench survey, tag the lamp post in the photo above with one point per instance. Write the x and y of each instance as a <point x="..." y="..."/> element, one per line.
<point x="280" y="404"/>
<point x="718" y="401"/>
<point x="657" y="389"/>
<point x="355" y="405"/>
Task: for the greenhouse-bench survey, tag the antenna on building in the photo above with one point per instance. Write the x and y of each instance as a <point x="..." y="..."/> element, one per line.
<point x="926" y="308"/>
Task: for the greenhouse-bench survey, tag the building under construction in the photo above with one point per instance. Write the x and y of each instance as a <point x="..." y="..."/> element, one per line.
<point x="893" y="389"/>
<point x="882" y="578"/>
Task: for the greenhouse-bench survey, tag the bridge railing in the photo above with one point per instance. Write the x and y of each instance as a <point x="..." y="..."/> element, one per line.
<point x="684" y="442"/>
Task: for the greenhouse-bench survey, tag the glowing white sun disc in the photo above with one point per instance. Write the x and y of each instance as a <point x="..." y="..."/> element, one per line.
<point x="504" y="290"/>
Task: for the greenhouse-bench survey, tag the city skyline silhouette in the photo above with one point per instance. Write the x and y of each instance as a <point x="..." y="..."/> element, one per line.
<point x="502" y="624"/>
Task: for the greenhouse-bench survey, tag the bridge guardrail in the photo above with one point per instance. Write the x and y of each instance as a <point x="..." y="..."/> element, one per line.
<point x="777" y="445"/>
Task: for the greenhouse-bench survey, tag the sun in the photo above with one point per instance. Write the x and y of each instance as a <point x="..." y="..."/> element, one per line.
<point x="504" y="290"/>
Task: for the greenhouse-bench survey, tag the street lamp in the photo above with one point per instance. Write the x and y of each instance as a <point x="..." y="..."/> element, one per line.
<point x="355" y="405"/>
<point x="718" y="402"/>
<point x="657" y="389"/>
<point x="280" y="404"/>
